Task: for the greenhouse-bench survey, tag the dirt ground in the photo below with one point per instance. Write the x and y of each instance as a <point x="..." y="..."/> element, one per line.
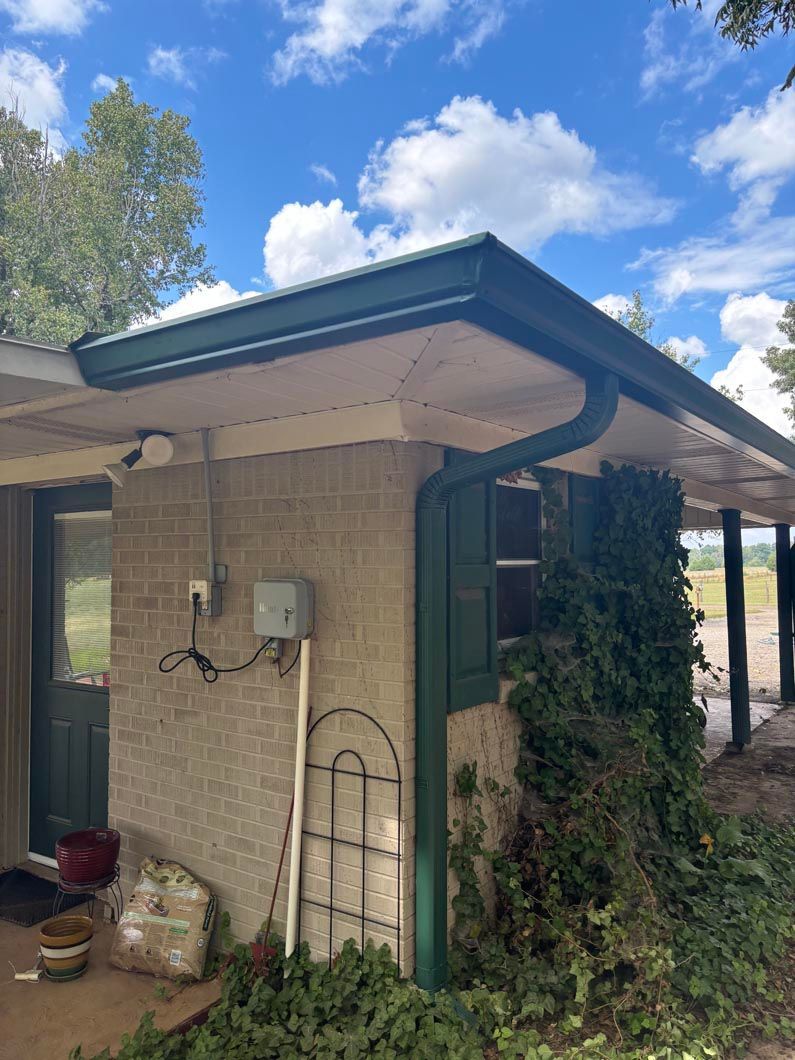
<point x="761" y="778"/>
<point x="762" y="645"/>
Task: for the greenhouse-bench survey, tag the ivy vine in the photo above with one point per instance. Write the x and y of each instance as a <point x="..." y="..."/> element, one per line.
<point x="630" y="915"/>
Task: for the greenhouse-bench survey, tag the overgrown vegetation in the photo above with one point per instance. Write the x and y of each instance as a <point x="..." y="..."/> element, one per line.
<point x="632" y="923"/>
<point x="359" y="1007"/>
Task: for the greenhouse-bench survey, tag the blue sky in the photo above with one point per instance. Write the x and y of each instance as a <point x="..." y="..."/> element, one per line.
<point x="618" y="145"/>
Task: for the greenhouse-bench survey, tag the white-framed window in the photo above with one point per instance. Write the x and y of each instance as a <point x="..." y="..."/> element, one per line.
<point x="518" y="549"/>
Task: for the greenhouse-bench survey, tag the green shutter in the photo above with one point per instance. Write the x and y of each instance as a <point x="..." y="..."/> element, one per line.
<point x="472" y="612"/>
<point x="583" y="512"/>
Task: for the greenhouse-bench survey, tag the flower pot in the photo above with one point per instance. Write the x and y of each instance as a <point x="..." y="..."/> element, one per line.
<point x="65" y="942"/>
<point x="88" y="855"/>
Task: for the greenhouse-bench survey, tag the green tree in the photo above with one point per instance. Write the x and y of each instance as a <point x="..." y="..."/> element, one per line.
<point x="747" y="22"/>
<point x="100" y="237"/>
<point x="640" y="320"/>
<point x="781" y="359"/>
<point x="698" y="561"/>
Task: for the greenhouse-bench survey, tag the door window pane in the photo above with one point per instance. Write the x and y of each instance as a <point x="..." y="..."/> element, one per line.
<point x="81" y="597"/>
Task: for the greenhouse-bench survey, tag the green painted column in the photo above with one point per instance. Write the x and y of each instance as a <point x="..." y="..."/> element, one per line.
<point x="735" y="621"/>
<point x="786" y="660"/>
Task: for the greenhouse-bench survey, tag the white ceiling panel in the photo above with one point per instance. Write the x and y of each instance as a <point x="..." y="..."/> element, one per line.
<point x="456" y="367"/>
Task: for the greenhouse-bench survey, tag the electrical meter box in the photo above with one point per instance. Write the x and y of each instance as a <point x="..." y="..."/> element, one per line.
<point x="284" y="608"/>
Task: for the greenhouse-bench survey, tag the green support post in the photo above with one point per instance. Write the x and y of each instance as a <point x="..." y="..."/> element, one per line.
<point x="786" y="661"/>
<point x="735" y="621"/>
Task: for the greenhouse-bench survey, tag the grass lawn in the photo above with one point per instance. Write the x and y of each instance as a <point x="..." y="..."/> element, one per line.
<point x="88" y="625"/>
<point x="709" y="590"/>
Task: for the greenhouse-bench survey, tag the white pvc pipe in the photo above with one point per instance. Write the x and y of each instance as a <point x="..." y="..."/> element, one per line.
<point x="208" y="495"/>
<point x="293" y="894"/>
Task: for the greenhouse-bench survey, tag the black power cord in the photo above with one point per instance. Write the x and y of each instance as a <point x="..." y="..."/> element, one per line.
<point x="205" y="665"/>
<point x="284" y="673"/>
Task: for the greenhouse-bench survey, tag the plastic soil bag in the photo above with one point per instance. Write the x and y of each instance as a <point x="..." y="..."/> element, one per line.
<point x="166" y="924"/>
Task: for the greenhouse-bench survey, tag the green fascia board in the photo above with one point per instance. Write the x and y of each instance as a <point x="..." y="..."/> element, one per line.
<point x="477" y="279"/>
<point x="427" y="287"/>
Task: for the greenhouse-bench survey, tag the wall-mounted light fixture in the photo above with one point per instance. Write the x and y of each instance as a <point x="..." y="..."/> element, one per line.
<point x="155" y="447"/>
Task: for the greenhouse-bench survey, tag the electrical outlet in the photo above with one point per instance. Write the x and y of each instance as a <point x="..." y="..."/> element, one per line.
<point x="209" y="597"/>
<point x="203" y="589"/>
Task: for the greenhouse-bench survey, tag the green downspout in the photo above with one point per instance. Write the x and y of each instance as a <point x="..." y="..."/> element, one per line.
<point x="596" y="415"/>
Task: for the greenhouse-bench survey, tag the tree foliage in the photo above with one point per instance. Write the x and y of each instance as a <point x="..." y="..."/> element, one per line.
<point x="781" y="359"/>
<point x="747" y="22"/>
<point x="641" y="322"/>
<point x="710" y="556"/>
<point x="97" y="238"/>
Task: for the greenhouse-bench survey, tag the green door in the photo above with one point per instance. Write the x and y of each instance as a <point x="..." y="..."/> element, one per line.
<point x="70" y="654"/>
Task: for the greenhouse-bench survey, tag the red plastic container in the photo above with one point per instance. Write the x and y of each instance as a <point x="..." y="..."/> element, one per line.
<point x="87" y="856"/>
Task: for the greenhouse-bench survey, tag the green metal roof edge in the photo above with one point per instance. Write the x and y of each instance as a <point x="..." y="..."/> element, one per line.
<point x="265" y="326"/>
<point x="477" y="279"/>
<point x="523" y="303"/>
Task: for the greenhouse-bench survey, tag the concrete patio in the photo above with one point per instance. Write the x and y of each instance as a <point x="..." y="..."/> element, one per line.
<point x="45" y="1020"/>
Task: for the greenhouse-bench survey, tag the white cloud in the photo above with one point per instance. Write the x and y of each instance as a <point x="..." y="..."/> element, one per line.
<point x="305" y="242"/>
<point x="323" y="172"/>
<point x="689" y="64"/>
<point x="202" y="297"/>
<point x="755" y="150"/>
<point x="745" y="260"/>
<point x="751" y="321"/>
<point x="613" y="304"/>
<point x="333" y="33"/>
<point x="180" y="64"/>
<point x="756" y="143"/>
<point x="692" y="346"/>
<point x="469" y="169"/>
<point x="103" y="83"/>
<point x="487" y="21"/>
<point x="36" y="88"/>
<point x="50" y="16"/>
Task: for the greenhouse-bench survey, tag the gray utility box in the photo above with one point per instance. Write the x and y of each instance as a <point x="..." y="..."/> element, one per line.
<point x="284" y="608"/>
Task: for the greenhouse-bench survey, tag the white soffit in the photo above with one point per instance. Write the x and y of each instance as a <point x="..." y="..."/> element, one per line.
<point x="494" y="390"/>
<point x="30" y="371"/>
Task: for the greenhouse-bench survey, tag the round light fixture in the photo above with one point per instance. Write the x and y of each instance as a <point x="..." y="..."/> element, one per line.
<point x="157" y="449"/>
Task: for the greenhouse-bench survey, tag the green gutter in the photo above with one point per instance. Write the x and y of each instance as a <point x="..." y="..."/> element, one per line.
<point x="411" y="291"/>
<point x="596" y="415"/>
<point x="477" y="279"/>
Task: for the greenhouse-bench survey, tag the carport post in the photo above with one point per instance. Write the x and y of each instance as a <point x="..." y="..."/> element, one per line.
<point x="786" y="661"/>
<point x="735" y="622"/>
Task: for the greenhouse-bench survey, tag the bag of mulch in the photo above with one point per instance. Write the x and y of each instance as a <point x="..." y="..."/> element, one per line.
<point x="166" y="924"/>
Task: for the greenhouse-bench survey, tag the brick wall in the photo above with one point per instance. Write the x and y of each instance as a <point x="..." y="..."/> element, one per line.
<point x="203" y="773"/>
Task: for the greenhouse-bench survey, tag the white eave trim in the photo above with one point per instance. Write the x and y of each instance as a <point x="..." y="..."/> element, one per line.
<point x="39" y="363"/>
<point x="404" y="421"/>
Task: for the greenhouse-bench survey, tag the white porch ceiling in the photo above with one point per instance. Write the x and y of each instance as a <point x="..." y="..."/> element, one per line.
<point x="456" y="368"/>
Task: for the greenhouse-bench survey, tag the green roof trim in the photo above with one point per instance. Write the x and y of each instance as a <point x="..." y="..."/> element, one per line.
<point x="477" y="279"/>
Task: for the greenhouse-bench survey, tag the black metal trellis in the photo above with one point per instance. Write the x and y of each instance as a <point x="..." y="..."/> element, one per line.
<point x="394" y="855"/>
